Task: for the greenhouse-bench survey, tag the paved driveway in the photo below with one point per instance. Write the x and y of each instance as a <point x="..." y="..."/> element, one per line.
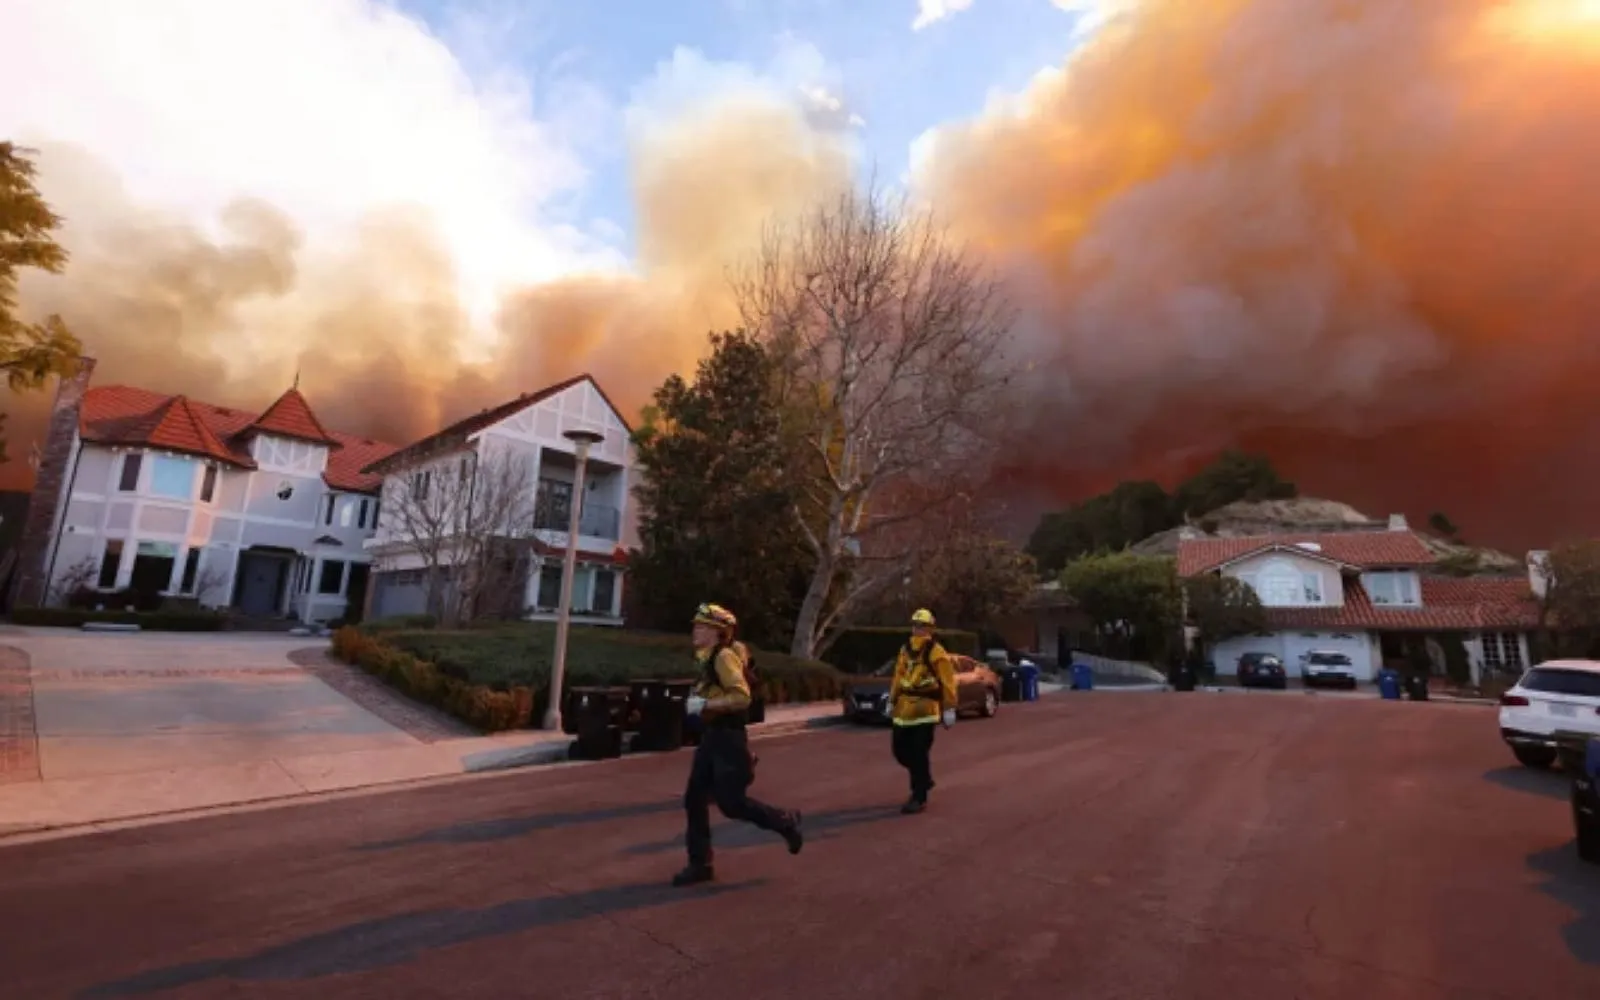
<point x="108" y="703"/>
<point x="1130" y="846"/>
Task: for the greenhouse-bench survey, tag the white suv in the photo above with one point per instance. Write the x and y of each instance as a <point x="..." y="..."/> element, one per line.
<point x="1557" y="696"/>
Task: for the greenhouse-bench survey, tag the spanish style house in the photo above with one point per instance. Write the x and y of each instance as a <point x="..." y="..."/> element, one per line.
<point x="263" y="512"/>
<point x="452" y="506"/>
<point x="1366" y="594"/>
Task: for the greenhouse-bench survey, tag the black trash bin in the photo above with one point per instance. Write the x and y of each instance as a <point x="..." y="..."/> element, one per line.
<point x="596" y="715"/>
<point x="659" y="705"/>
<point x="1011" y="684"/>
<point x="1417" y="687"/>
<point x="1183" y="678"/>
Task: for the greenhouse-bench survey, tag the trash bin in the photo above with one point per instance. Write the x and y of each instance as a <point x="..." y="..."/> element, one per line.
<point x="1011" y="684"/>
<point x="1184" y="678"/>
<point x="659" y="705"/>
<point x="1082" y="677"/>
<point x="1030" y="682"/>
<point x="596" y="715"/>
<point x="1417" y="687"/>
<point x="1389" y="684"/>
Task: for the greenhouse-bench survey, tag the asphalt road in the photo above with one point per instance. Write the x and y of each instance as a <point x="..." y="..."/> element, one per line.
<point x="1091" y="846"/>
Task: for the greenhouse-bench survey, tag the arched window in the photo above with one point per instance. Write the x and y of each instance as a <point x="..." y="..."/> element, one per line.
<point x="1282" y="584"/>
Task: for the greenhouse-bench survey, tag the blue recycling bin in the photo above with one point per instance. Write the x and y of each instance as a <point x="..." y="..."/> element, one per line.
<point x="1082" y="677"/>
<point x="1030" y="682"/>
<point x="1389" y="684"/>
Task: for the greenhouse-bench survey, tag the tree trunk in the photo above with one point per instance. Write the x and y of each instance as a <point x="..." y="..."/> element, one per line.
<point x="804" y="644"/>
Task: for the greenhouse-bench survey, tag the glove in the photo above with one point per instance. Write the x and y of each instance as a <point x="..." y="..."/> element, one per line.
<point x="694" y="704"/>
<point x="949" y="717"/>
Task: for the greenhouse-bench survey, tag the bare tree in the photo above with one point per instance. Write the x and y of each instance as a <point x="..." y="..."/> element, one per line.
<point x="207" y="583"/>
<point x="891" y="339"/>
<point x="460" y="515"/>
<point x="73" y="579"/>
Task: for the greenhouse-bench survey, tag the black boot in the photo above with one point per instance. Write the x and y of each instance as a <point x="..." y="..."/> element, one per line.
<point x="792" y="833"/>
<point x="914" y="805"/>
<point x="693" y="875"/>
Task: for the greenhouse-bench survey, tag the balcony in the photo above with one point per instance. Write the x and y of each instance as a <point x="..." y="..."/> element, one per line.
<point x="596" y="521"/>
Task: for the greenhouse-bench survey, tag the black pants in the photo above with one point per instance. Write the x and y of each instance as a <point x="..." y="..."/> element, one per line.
<point x="913" y="748"/>
<point x="721" y="773"/>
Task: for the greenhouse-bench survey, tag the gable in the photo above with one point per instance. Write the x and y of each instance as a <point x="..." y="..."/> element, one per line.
<point x="580" y="406"/>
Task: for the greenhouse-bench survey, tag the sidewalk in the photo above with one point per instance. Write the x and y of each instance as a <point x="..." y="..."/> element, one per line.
<point x="39" y="806"/>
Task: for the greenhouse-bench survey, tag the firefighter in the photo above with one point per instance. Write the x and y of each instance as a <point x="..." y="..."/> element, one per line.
<point x="922" y="696"/>
<point x="721" y="768"/>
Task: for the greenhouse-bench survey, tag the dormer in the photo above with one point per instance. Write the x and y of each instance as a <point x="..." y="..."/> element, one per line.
<point x="288" y="437"/>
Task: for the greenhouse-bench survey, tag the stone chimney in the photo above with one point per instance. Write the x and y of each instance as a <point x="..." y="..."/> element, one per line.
<point x="1539" y="572"/>
<point x="1397" y="522"/>
<point x="37" y="542"/>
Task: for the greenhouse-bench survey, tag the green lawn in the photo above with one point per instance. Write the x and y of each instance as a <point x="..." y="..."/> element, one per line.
<point x="520" y="654"/>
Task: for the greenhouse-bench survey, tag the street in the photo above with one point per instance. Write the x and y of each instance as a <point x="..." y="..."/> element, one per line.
<point x="1127" y="845"/>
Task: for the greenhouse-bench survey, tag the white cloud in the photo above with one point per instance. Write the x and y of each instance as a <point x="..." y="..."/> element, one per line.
<point x="325" y="108"/>
<point x="931" y="11"/>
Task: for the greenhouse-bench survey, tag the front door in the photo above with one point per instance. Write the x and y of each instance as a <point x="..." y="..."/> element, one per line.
<point x="260" y="583"/>
<point x="356" y="592"/>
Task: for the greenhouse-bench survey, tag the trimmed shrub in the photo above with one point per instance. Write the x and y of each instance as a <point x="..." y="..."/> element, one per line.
<point x="398" y="623"/>
<point x="152" y="621"/>
<point x="863" y="650"/>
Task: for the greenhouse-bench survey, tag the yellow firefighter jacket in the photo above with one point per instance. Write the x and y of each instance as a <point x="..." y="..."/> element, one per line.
<point x="924" y="686"/>
<point x="722" y="685"/>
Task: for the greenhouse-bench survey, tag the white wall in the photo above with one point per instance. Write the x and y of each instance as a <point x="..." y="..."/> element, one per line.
<point x="1250" y="570"/>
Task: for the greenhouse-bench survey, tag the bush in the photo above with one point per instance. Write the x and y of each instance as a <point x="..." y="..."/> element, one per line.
<point x="88" y="598"/>
<point x="863" y="650"/>
<point x="449" y="668"/>
<point x="154" y="621"/>
<point x="400" y="623"/>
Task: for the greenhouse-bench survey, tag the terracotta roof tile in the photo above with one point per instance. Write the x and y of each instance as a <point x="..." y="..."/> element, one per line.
<point x="120" y="414"/>
<point x="1362" y="549"/>
<point x="290" y="416"/>
<point x="1448" y="604"/>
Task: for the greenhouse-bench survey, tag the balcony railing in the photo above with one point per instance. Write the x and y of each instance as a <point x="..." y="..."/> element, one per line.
<point x="596" y="521"/>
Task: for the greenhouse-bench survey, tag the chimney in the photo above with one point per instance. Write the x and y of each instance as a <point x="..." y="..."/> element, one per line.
<point x="1539" y="572"/>
<point x="1397" y="522"/>
<point x="37" y="543"/>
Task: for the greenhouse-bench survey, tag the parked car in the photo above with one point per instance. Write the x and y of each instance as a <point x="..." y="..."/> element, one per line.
<point x="1557" y="696"/>
<point x="1262" y="670"/>
<point x="977" y="691"/>
<point x="1320" y="667"/>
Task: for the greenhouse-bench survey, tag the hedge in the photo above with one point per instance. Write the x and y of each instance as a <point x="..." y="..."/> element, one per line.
<point x="152" y="621"/>
<point x="503" y="659"/>
<point x="863" y="650"/>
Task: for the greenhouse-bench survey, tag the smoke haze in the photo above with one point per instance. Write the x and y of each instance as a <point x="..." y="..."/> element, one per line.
<point x="1358" y="234"/>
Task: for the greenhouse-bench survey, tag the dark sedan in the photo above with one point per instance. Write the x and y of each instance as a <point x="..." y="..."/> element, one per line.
<point x="1262" y="670"/>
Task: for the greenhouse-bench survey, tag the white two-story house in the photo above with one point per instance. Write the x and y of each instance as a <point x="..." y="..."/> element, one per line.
<point x="1365" y="594"/>
<point x="261" y="512"/>
<point x="428" y="485"/>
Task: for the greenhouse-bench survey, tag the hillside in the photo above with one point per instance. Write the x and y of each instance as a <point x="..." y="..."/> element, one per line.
<point x="1310" y="514"/>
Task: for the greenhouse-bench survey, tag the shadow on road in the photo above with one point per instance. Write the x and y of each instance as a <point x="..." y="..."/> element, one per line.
<point x="375" y="944"/>
<point x="1553" y="784"/>
<point x="486" y="831"/>
<point x="1577" y="885"/>
<point x="817" y="826"/>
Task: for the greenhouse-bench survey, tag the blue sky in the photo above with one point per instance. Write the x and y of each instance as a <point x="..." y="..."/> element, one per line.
<point x="900" y="81"/>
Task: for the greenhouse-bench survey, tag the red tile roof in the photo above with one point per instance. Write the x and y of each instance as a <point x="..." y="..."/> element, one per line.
<point x="1361" y="549"/>
<point x="121" y="414"/>
<point x="290" y="416"/>
<point x="1448" y="604"/>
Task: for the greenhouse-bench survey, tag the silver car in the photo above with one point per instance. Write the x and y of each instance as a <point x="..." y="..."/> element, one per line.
<point x="1320" y="667"/>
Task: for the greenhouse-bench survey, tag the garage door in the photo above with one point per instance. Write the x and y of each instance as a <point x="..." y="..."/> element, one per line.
<point x="1225" y="655"/>
<point x="398" y="594"/>
<point x="1355" y="645"/>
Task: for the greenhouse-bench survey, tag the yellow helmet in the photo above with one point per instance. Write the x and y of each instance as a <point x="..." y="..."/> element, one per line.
<point x="715" y="614"/>
<point x="922" y="616"/>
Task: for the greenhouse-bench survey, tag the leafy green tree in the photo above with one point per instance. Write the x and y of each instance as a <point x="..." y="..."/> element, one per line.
<point x="1232" y="477"/>
<point x="29" y="352"/>
<point x="968" y="581"/>
<point x="1129" y="513"/>
<point x="1134" y="601"/>
<point x="1571" y="605"/>
<point x="716" y="514"/>
<point x="1222" y="608"/>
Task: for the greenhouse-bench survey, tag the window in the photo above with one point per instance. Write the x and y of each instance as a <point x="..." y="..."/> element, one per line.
<point x="1560" y="680"/>
<point x="172" y="477"/>
<point x="1313" y="583"/>
<point x="550" y="587"/>
<point x="109" y="564"/>
<point x="555" y="505"/>
<point x="377" y="505"/>
<point x="605" y="589"/>
<point x="208" y="484"/>
<point x="361" y="519"/>
<point x="152" y="567"/>
<point x="347" y="512"/>
<point x="332" y="577"/>
<point x="191" y="568"/>
<point x="327" y="508"/>
<point x="131" y="463"/>
<point x="1502" y="651"/>
<point x="1281" y="585"/>
<point x="1390" y="587"/>
<point x="420" y="481"/>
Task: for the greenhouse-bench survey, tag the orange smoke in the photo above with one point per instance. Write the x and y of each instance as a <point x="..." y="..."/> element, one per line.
<point x="1360" y="234"/>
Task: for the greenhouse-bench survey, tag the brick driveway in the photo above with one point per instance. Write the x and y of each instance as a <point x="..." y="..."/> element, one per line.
<point x="19" y="738"/>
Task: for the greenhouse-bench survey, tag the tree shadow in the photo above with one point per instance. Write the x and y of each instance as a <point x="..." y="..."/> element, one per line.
<point x="1576" y="884"/>
<point x="375" y="944"/>
<point x="732" y="835"/>
<point x="1552" y="784"/>
<point x="486" y="831"/>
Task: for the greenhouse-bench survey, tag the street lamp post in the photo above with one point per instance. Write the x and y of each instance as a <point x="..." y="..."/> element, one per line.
<point x="583" y="441"/>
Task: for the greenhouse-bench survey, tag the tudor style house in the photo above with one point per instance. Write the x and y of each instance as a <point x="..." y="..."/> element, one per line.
<point x="436" y="493"/>
<point x="262" y="512"/>
<point x="1367" y="594"/>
